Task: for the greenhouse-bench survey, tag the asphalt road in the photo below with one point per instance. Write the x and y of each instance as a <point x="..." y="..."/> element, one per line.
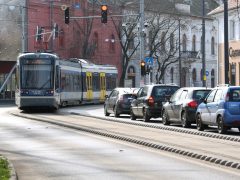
<point x="43" y="151"/>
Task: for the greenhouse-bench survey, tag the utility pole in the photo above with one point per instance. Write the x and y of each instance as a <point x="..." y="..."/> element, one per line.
<point x="204" y="78"/>
<point x="226" y="45"/>
<point x="141" y="33"/>
<point x="179" y="51"/>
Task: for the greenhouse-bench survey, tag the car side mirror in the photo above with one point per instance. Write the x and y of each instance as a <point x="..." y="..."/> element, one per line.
<point x="205" y="101"/>
<point x="167" y="98"/>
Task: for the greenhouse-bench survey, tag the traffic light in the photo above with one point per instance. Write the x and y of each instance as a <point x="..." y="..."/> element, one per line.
<point x="143" y="68"/>
<point x="104" y="10"/>
<point x="67" y="15"/>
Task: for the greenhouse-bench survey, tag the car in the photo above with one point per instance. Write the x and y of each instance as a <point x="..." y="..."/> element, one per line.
<point x="119" y="100"/>
<point x="220" y="108"/>
<point x="150" y="99"/>
<point x="182" y="106"/>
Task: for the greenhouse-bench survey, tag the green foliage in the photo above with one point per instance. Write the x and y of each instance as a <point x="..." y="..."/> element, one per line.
<point x="4" y="169"/>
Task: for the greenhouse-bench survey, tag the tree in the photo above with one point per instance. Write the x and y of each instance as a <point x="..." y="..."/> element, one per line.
<point x="126" y="34"/>
<point x="163" y="44"/>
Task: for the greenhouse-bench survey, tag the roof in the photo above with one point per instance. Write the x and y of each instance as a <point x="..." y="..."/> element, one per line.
<point x="232" y="4"/>
<point x="170" y="6"/>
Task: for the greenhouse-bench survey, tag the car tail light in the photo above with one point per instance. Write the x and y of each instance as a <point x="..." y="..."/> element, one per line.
<point x="227" y="97"/>
<point x="121" y="99"/>
<point x="193" y="104"/>
<point x="150" y="101"/>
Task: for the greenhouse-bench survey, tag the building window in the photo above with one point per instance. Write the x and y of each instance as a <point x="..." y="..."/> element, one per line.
<point x="212" y="78"/>
<point x="212" y="46"/>
<point x="171" y="42"/>
<point x="194" y="75"/>
<point x="201" y="74"/>
<point x="95" y="40"/>
<point x="61" y="38"/>
<point x="163" y="49"/>
<point x="233" y="73"/>
<point x="131" y="42"/>
<point x="232" y="29"/>
<point x="194" y="43"/>
<point x="184" y="42"/>
<point x="172" y="74"/>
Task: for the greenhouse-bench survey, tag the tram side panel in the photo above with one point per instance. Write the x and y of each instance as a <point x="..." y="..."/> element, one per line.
<point x="71" y="86"/>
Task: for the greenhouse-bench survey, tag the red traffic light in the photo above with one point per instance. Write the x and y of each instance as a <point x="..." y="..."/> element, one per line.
<point x="104" y="11"/>
<point x="104" y="7"/>
<point x="142" y="63"/>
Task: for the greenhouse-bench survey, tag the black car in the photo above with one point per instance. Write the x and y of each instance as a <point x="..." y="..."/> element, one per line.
<point x="149" y="101"/>
<point x="119" y="101"/>
<point x="182" y="106"/>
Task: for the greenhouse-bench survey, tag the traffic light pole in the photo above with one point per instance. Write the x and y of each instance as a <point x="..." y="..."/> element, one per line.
<point x="141" y="33"/>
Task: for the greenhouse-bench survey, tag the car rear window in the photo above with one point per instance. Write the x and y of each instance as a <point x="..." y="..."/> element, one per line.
<point x="128" y="97"/>
<point x="163" y="91"/>
<point x="234" y="95"/>
<point x="200" y="94"/>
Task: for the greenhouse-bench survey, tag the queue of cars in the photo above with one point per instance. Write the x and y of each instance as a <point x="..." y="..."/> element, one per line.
<point x="202" y="106"/>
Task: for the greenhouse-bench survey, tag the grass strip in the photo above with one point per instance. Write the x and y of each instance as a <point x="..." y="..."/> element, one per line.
<point x="4" y="169"/>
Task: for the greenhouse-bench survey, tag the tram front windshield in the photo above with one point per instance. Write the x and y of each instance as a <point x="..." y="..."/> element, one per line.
<point x="36" y="73"/>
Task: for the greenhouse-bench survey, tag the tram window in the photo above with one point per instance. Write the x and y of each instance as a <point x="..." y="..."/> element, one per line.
<point x="96" y="82"/>
<point x="57" y="78"/>
<point x="110" y="82"/>
<point x="84" y="82"/>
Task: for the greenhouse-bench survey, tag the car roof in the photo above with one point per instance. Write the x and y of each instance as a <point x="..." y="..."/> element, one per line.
<point x="168" y="85"/>
<point x="126" y="90"/>
<point x="197" y="88"/>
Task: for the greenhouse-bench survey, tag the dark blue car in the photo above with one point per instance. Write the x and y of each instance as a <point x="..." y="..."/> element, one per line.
<point x="221" y="108"/>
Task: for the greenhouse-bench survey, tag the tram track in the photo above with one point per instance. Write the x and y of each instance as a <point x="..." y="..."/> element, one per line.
<point x="168" y="128"/>
<point x="179" y="142"/>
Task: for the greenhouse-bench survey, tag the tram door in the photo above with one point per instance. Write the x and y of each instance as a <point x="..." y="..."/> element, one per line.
<point x="102" y="87"/>
<point x="89" y="86"/>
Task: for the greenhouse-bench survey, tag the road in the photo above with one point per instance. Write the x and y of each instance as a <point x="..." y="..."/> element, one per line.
<point x="41" y="150"/>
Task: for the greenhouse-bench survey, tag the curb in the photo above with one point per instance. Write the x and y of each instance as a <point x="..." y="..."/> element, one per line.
<point x="202" y="157"/>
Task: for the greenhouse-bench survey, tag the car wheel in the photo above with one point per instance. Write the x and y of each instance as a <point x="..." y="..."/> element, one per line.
<point x="132" y="115"/>
<point x="165" y="118"/>
<point x="105" y="111"/>
<point x="146" y="116"/>
<point x="116" y="114"/>
<point x="184" y="120"/>
<point x="221" y="127"/>
<point x="200" y="125"/>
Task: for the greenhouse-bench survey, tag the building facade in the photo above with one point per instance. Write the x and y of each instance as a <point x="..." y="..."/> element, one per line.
<point x="234" y="42"/>
<point x="33" y="25"/>
<point x="188" y="16"/>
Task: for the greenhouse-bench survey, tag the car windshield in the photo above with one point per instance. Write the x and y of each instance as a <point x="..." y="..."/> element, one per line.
<point x="200" y="94"/>
<point x="163" y="91"/>
<point x="234" y="95"/>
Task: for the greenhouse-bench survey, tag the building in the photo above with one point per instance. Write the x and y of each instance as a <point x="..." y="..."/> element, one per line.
<point x="11" y="44"/>
<point x="33" y="25"/>
<point x="234" y="41"/>
<point x="188" y="16"/>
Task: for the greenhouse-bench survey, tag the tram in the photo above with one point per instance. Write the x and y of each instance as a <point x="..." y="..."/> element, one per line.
<point x="45" y="81"/>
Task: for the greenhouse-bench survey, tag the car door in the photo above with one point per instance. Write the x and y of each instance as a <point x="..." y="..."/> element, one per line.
<point x="172" y="101"/>
<point x="207" y="106"/>
<point x="135" y="102"/>
<point x="177" y="106"/>
<point x="215" y="105"/>
<point x="112" y="99"/>
<point x="141" y="101"/>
